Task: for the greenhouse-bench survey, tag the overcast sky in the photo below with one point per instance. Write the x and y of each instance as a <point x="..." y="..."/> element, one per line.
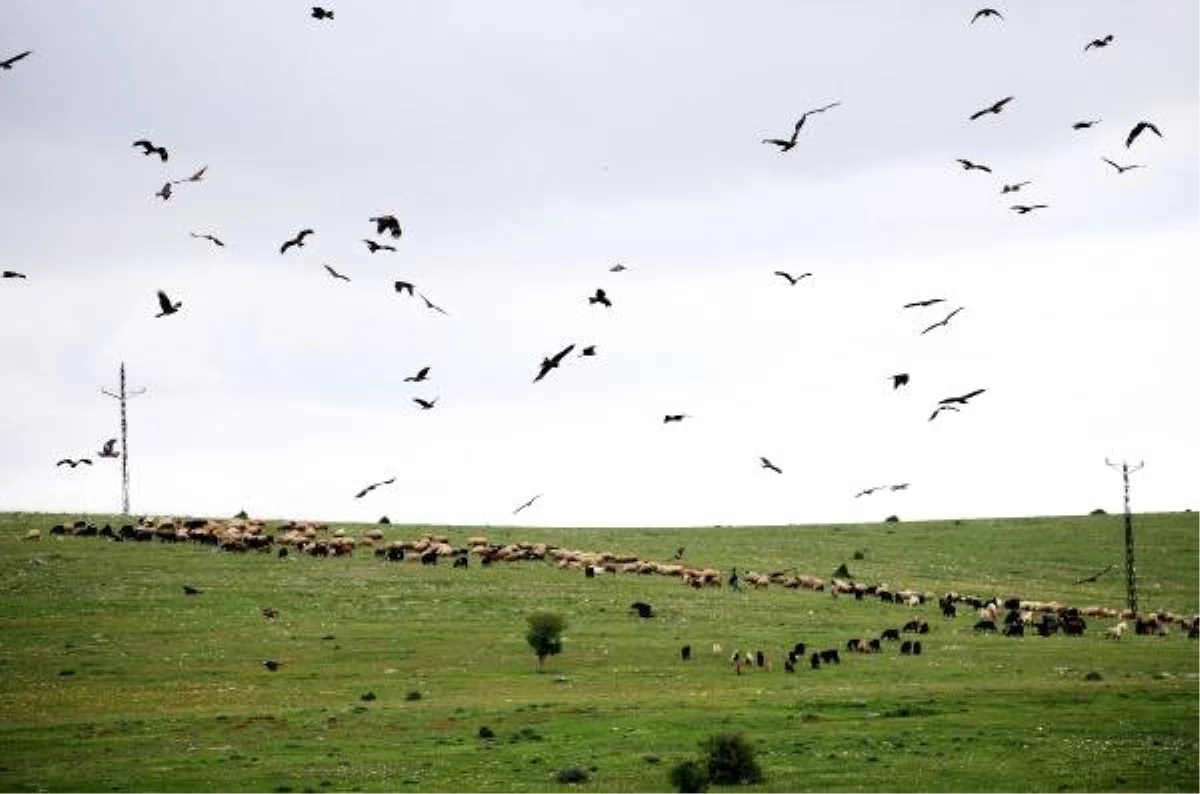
<point x="526" y="148"/>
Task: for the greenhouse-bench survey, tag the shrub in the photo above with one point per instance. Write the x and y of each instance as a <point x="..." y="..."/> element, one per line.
<point x="859" y="554"/>
<point x="688" y="776"/>
<point x="572" y="774"/>
<point x="413" y="695"/>
<point x="486" y="733"/>
<point x="1099" y="511"/>
<point x="730" y="760"/>
<point x="545" y="634"/>
<point x="843" y="572"/>
<point x="892" y="520"/>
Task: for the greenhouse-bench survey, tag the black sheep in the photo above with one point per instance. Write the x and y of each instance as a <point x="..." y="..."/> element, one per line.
<point x="644" y="610"/>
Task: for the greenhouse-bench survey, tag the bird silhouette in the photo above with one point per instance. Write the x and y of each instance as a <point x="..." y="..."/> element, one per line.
<point x="165" y="192"/>
<point x="962" y="400"/>
<point x="431" y="305"/>
<point x="275" y="664"/>
<point x="899" y="379"/>
<point x="329" y="269"/>
<point x="1095" y="576"/>
<point x="943" y="321"/>
<point x="321" y="13"/>
<point x="1025" y="209"/>
<point x="196" y="177"/>
<point x="552" y="362"/>
<point x="928" y="302"/>
<point x="387" y="224"/>
<point x="8" y="64"/>
<point x="149" y="148"/>
<point x="73" y="463"/>
<point x="617" y="268"/>
<point x="166" y="306"/>
<point x="1121" y="168"/>
<point x="1098" y="43"/>
<point x="1013" y="188"/>
<point x="787" y="144"/>
<point x="869" y="491"/>
<point x="901" y="487"/>
<point x="995" y="107"/>
<point x="109" y="449"/>
<point x="590" y="350"/>
<point x="600" y="297"/>
<point x="12" y="274"/>
<point x="421" y="376"/>
<point x="1083" y="125"/>
<point x="404" y="286"/>
<point x="374" y="246"/>
<point x="766" y="464"/>
<point x="939" y="409"/>
<point x="372" y="487"/>
<point x="527" y="504"/>
<point x="1138" y="129"/>
<point x="986" y="12"/>
<point x="208" y="237"/>
<point x="189" y="590"/>
<point x="297" y="241"/>
<point x="970" y="166"/>
<point x="793" y="280"/>
<point x="674" y="418"/>
<point x="426" y="405"/>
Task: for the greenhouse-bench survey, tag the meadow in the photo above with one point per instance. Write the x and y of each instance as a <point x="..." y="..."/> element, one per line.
<point x="112" y="679"/>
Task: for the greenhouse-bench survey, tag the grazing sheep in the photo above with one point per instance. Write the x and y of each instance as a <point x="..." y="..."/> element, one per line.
<point x="429" y="557"/>
<point x="789" y="664"/>
<point x="643" y="609"/>
<point x="460" y="562"/>
<point x="1014" y="629"/>
<point x="685" y="653"/>
<point x="798" y="649"/>
<point x="916" y="649"/>
<point x="874" y="646"/>
<point x="890" y="634"/>
<point x="949" y="611"/>
<point x="1116" y="632"/>
<point x="913" y="625"/>
<point x="985" y="625"/>
<point x="852" y="645"/>
<point x="815" y="661"/>
<point x="760" y="659"/>
<point x="831" y="656"/>
<point x="906" y="648"/>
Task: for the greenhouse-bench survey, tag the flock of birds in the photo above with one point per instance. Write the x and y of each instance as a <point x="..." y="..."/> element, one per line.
<point x="388" y="227"/>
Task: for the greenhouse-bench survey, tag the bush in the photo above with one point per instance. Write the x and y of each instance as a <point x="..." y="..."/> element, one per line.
<point x="413" y="695"/>
<point x="486" y="733"/>
<point x="545" y="634"/>
<point x="859" y="554"/>
<point x="843" y="572"/>
<point x="1099" y="511"/>
<point x="688" y="776"/>
<point x="892" y="520"/>
<point x="572" y="774"/>
<point x="730" y="760"/>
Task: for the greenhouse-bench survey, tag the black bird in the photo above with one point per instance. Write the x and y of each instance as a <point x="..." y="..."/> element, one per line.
<point x="431" y="305"/>
<point x="149" y="148"/>
<point x="901" y="487"/>
<point x="372" y="487"/>
<point x="166" y="305"/>
<point x="1024" y="209"/>
<point x="1104" y="42"/>
<point x="793" y="280"/>
<point x="321" y="13"/>
<point x="789" y="143"/>
<point x="297" y="241"/>
<point x="552" y="362"/>
<point x="527" y="504"/>
<point x="1083" y="125"/>
<point x="73" y="463"/>
<point x="208" y="237"/>
<point x="109" y="450"/>
<point x="1121" y="168"/>
<point x="961" y="400"/>
<point x="986" y="12"/>
<point x="617" y="268"/>
<point x="1013" y="188"/>
<point x="939" y="409"/>
<point x="590" y="350"/>
<point x="404" y="286"/>
<point x="899" y="379"/>
<point x="1095" y="576"/>
<point x="12" y="274"/>
<point x="374" y="246"/>
<point x="387" y="223"/>
<point x="420" y="377"/>
<point x="766" y="464"/>
<point x="968" y="166"/>
<point x="329" y="269"/>
<point x="993" y="108"/>
<point x="165" y="192"/>
<point x="196" y="177"/>
<point x="425" y="404"/>
<point x="1138" y="130"/>
<point x="928" y="302"/>
<point x="189" y="590"/>
<point x="8" y="64"/>
<point x="600" y="297"/>
<point x="943" y="321"/>
<point x="869" y="491"/>
<point x="272" y="664"/>
<point x="674" y="418"/>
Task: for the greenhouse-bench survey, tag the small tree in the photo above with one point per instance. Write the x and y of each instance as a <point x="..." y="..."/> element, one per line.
<point x="730" y="760"/>
<point x="545" y="634"/>
<point x="689" y="777"/>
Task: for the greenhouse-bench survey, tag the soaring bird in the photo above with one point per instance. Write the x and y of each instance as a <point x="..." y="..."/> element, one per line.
<point x="73" y="463"/>
<point x="787" y="144"/>
<point x="996" y="107"/>
<point x="766" y="464"/>
<point x="793" y="280"/>
<point x="404" y="286"/>
<point x="968" y="166"/>
<point x="674" y="418"/>
<point x="374" y="246"/>
<point x="943" y="321"/>
<point x="1013" y="188"/>
<point x="165" y="192"/>
<point x="527" y="504"/>
<point x="11" y="274"/>
<point x="297" y="241"/>
<point x="617" y="268"/>
<point x="387" y="223"/>
<point x="426" y="405"/>
<point x="1104" y="42"/>
<point x="196" y="177"/>
<point x="901" y="487"/>
<point x="962" y="400"/>
<point x="1138" y="130"/>
<point x="869" y="491"/>
<point x="321" y="13"/>
<point x="1121" y="168"/>
<point x="421" y="376"/>
<point x="8" y="64"/>
<point x="166" y="306"/>
<point x="148" y="148"/>
<point x="552" y="362"/>
<point x="939" y="409"/>
<point x="329" y="269"/>
<point x="109" y="450"/>
<point x="1024" y="209"/>
<point x="899" y="379"/>
<point x="986" y="12"/>
<point x="431" y="305"/>
<point x="208" y="237"/>
<point x="372" y="487"/>
<point x="928" y="302"/>
<point x="588" y="351"/>
<point x="189" y="590"/>
<point x="600" y="297"/>
<point x="1083" y="125"/>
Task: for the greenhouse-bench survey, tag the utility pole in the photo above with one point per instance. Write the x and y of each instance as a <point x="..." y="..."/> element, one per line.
<point x="123" y="395"/>
<point x="1130" y="570"/>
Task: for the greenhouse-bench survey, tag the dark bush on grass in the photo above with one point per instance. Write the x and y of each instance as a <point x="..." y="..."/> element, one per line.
<point x="572" y="774"/>
<point x="730" y="760"/>
<point x="413" y="695"/>
<point x="486" y="733"/>
<point x="688" y="776"/>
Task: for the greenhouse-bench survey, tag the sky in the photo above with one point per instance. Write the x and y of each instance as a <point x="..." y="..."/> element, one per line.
<point x="528" y="147"/>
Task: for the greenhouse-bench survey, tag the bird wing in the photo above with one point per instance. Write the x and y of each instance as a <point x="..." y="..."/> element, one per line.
<point x="16" y="58"/>
<point x="164" y="301"/>
<point x="303" y="233"/>
<point x="197" y="176"/>
<point x="283" y="248"/>
<point x="363" y="492"/>
<point x="935" y="325"/>
<point x="969" y="395"/>
<point x="545" y="367"/>
<point x="558" y="357"/>
<point x="1136" y="131"/>
<point x="785" y="275"/>
<point x="979" y="113"/>
<point x="144" y="144"/>
<point x="66" y="460"/>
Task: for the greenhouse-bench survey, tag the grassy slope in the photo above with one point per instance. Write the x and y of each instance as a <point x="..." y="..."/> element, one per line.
<point x="168" y="693"/>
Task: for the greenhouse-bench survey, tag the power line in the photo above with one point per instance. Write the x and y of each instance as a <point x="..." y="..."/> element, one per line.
<point x="1130" y="569"/>
<point x="123" y="396"/>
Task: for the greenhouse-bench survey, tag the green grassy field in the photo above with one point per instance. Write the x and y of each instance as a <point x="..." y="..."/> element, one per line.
<point x="111" y="679"/>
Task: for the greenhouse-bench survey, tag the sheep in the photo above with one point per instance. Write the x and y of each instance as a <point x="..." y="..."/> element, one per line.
<point x="906" y="648"/>
<point x="985" y="625"/>
<point x="643" y="609"/>
<point x="760" y="659"/>
<point x="815" y="661"/>
<point x="831" y="656"/>
<point x="916" y="649"/>
<point x="685" y="653"/>
<point x="460" y="562"/>
<point x="890" y="634"/>
<point x="1014" y="629"/>
<point x="1115" y="632"/>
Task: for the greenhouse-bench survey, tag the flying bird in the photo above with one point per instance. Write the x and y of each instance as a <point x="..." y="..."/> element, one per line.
<point x="404" y="286"/>
<point x="869" y="491"/>
<point x="527" y="504"/>
<point x="600" y="297"/>
<point x="590" y="350"/>
<point x="899" y="379"/>
<point x="297" y="241"/>
<point x="329" y="269"/>
<point x="372" y="487"/>
<point x="167" y="307"/>
<point x="387" y="223"/>
<point x="1083" y="125"/>
<point x="1141" y="127"/>
<point x="12" y="274"/>
<point x="939" y="409"/>
<point x="1104" y="42"/>
<point x="943" y="321"/>
<point x="928" y="302"/>
<point x="426" y="405"/>
<point x="421" y="376"/>
<point x="552" y="362"/>
<point x="431" y="305"/>
<point x="208" y="237"/>
<point x="149" y="148"/>
<point x="617" y="268"/>
<point x="321" y="13"/>
<point x="73" y="463"/>
<point x="993" y="108"/>
<point x="374" y="246"/>
<point x="901" y="487"/>
<point x="968" y="166"/>
<point x="1121" y="168"/>
<point x="986" y="12"/>
<point x="165" y="192"/>
<point x="1095" y="576"/>
<point x="1025" y="209"/>
<point x="196" y="177"/>
<point x="787" y="144"/>
<point x="961" y="400"/>
<point x="8" y="64"/>
<point x="109" y="450"/>
<point x="766" y="464"/>
<point x="1013" y="188"/>
<point x="189" y="590"/>
<point x="674" y="418"/>
<point x="793" y="280"/>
